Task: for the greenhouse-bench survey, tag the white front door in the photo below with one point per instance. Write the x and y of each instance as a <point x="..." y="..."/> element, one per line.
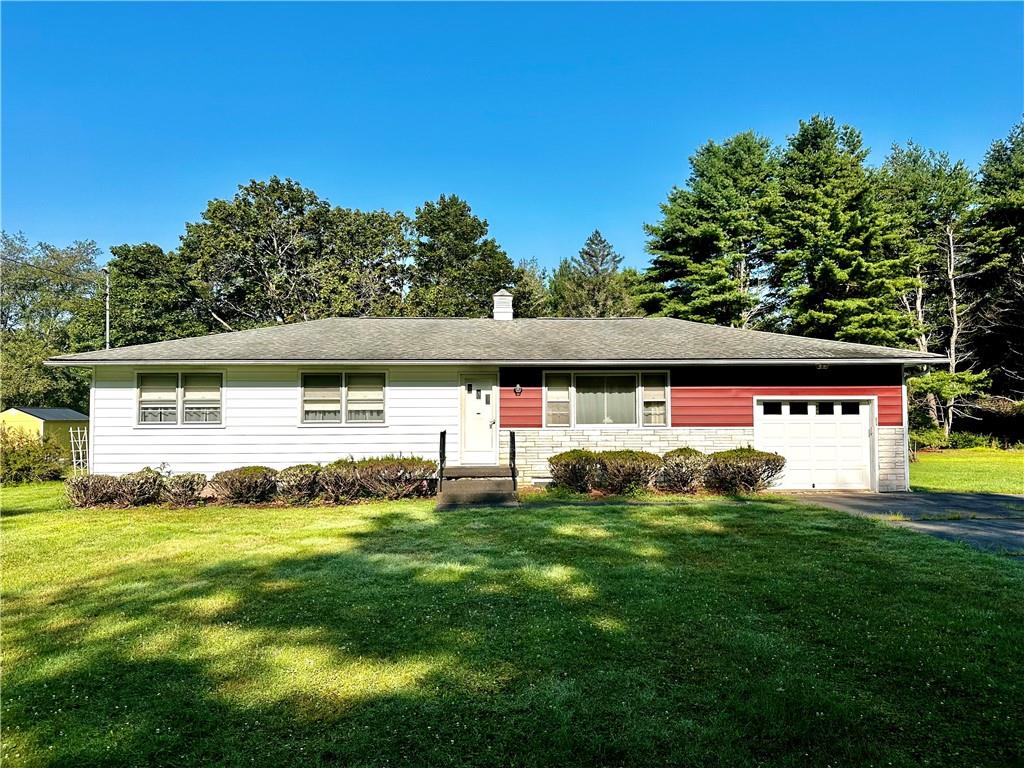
<point x="479" y="419"/>
<point x="826" y="443"/>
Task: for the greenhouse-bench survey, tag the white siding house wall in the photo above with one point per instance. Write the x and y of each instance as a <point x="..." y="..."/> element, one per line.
<point x="261" y="422"/>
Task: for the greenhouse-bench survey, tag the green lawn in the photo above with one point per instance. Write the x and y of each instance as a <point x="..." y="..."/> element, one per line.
<point x="985" y="470"/>
<point x="701" y="632"/>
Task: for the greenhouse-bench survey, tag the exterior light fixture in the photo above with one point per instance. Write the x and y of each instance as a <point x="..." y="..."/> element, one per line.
<point x="518" y="389"/>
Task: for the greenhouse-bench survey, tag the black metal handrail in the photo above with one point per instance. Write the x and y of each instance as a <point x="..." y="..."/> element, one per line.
<point x="512" y="457"/>
<point x="441" y="459"/>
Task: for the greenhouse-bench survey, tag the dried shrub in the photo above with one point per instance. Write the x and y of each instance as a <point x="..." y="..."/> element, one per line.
<point x="299" y="484"/>
<point x="90" y="490"/>
<point x="683" y="470"/>
<point x="574" y="470"/>
<point x="626" y="471"/>
<point x="245" y="485"/>
<point x="339" y="481"/>
<point x="184" y="490"/>
<point x="25" y="458"/>
<point x="138" y="488"/>
<point x="742" y="470"/>
<point x="395" y="477"/>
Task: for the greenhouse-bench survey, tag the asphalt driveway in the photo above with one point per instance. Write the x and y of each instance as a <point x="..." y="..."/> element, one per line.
<point x="985" y="520"/>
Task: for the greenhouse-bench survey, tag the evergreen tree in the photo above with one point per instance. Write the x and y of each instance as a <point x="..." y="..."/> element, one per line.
<point x="710" y="248"/>
<point x="997" y="266"/>
<point x="591" y="284"/>
<point x="456" y="267"/>
<point x="836" y="274"/>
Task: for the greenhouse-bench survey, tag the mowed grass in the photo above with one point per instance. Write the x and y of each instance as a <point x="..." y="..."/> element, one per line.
<point x="978" y="470"/>
<point x="707" y="632"/>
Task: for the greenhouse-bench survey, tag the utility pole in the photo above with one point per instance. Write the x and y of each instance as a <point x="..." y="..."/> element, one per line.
<point x="106" y="302"/>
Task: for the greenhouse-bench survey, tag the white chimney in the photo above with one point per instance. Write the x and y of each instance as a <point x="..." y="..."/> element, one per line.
<point x="502" y="305"/>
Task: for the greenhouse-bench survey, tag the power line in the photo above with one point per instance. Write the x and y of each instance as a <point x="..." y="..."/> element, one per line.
<point x="65" y="275"/>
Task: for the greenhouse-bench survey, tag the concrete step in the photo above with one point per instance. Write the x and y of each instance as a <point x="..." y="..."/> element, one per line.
<point x="458" y="472"/>
<point x="477" y="491"/>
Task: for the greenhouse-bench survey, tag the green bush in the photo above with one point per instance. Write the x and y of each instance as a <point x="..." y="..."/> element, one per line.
<point x="936" y="438"/>
<point x="90" y="490"/>
<point x="184" y="490"/>
<point x="742" y="470"/>
<point x="626" y="471"/>
<point x="574" y="470"/>
<point x="339" y="481"/>
<point x="25" y="458"/>
<point x="245" y="485"/>
<point x="970" y="440"/>
<point x="682" y="471"/>
<point x="395" y="477"/>
<point x="299" y="484"/>
<point x="138" y="488"/>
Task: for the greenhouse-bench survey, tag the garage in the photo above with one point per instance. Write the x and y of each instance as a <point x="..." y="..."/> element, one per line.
<point x="826" y="442"/>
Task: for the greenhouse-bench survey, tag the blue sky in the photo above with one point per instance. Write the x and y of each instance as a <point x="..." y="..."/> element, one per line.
<point x="121" y="120"/>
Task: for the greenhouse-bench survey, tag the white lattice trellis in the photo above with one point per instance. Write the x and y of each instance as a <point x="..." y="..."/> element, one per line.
<point x="79" y="450"/>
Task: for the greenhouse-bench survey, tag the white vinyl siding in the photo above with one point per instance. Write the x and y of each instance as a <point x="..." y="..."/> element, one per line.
<point x="261" y="422"/>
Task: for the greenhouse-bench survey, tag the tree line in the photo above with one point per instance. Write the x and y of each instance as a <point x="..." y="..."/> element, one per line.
<point x="803" y="238"/>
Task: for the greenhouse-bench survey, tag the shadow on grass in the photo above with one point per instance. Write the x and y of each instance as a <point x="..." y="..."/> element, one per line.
<point x="558" y="634"/>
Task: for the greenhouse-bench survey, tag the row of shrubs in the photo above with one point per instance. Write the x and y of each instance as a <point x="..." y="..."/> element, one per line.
<point x="390" y="477"/>
<point x="683" y="470"/>
<point x="921" y="439"/>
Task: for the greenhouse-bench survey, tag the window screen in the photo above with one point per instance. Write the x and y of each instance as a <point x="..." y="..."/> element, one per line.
<point x="321" y="397"/>
<point x="655" y="390"/>
<point x="557" y="404"/>
<point x="605" y="399"/>
<point x="158" y="398"/>
<point x="365" y="403"/>
<point x="200" y="398"/>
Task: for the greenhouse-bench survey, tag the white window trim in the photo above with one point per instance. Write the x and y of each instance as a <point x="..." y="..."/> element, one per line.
<point x="179" y="401"/>
<point x="639" y="410"/>
<point x="344" y="423"/>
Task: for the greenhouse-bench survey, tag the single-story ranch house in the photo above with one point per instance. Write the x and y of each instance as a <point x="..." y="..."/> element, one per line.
<point x="325" y="389"/>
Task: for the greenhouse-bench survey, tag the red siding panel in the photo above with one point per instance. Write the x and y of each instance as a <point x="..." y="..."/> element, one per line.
<point x="523" y="410"/>
<point x="734" y="406"/>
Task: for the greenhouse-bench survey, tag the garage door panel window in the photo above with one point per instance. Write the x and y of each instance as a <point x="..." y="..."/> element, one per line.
<point x="850" y="408"/>
<point x="798" y="408"/>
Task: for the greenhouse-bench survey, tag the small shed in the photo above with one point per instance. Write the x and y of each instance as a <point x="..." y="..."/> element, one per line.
<point x="45" y="422"/>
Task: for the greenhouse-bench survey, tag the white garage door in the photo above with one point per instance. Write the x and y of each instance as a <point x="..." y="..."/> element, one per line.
<point x="827" y="443"/>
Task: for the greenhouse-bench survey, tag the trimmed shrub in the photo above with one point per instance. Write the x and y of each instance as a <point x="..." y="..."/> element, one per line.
<point x="138" y="488"/>
<point x="299" y="484"/>
<point x="970" y="440"/>
<point x="184" y="490"/>
<point x="339" y="481"/>
<point x="25" y="458"/>
<point x="395" y="477"/>
<point x="626" y="471"/>
<point x="683" y="470"/>
<point x="574" y="470"/>
<point x="936" y="438"/>
<point x="742" y="470"/>
<point x="245" y="485"/>
<point x="90" y="490"/>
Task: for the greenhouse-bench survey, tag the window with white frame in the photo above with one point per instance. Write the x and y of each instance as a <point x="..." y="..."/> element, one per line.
<point x="200" y="398"/>
<point x="605" y="399"/>
<point x="556" y="407"/>
<point x="195" y="398"/>
<point x="158" y="398"/>
<point x="336" y="398"/>
<point x="655" y="394"/>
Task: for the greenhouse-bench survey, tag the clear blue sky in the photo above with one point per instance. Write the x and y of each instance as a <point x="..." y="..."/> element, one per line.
<point x="120" y="121"/>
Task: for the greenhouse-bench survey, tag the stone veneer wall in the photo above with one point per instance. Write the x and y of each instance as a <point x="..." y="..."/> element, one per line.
<point x="534" y="446"/>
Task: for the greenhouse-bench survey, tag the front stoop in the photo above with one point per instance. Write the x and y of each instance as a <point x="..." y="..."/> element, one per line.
<point x="477" y="486"/>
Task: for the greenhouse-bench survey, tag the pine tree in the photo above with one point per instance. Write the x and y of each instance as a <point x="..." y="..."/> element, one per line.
<point x="837" y="273"/>
<point x="591" y="284"/>
<point x="710" y="248"/>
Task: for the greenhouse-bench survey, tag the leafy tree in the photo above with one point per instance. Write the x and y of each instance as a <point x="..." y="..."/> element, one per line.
<point x="711" y="247"/>
<point x="836" y="273"/>
<point x="591" y="284"/>
<point x="152" y="298"/>
<point x="42" y="287"/>
<point x="949" y="389"/>
<point x="456" y="267"/>
<point x="530" y="297"/>
<point x="997" y="265"/>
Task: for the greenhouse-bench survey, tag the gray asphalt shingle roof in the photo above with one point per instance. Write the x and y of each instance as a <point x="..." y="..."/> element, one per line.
<point x="53" y="414"/>
<point x="523" y="340"/>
